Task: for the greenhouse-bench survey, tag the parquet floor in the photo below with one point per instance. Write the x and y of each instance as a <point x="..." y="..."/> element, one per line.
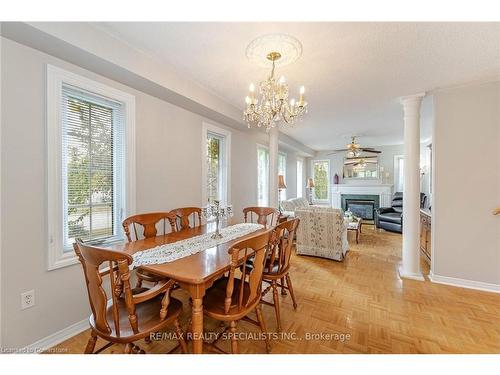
<point x="365" y="307"/>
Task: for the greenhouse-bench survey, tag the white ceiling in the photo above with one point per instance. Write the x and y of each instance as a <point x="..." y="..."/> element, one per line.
<point x="354" y="73"/>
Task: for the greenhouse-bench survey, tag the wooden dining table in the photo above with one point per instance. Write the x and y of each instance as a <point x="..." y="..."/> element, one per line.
<point x="194" y="273"/>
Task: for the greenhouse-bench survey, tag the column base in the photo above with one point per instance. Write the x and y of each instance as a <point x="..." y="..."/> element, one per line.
<point x="410" y="275"/>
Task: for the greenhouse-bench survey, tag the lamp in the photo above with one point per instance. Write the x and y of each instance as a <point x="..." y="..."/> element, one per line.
<point x="281" y="186"/>
<point x="310" y="185"/>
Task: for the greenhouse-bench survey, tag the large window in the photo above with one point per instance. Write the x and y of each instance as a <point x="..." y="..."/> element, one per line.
<point x="300" y="177"/>
<point x="282" y="172"/>
<point x="215" y="164"/>
<point x="262" y="176"/>
<point x="88" y="141"/>
<point x="399" y="177"/>
<point x="321" y="169"/>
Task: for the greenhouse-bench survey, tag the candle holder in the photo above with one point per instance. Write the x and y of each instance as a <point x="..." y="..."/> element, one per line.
<point x="214" y="210"/>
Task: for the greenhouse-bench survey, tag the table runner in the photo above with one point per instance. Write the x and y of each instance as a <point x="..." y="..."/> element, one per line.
<point x="183" y="248"/>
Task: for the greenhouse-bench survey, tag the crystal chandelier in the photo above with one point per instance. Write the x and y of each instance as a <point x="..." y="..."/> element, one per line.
<point x="272" y="105"/>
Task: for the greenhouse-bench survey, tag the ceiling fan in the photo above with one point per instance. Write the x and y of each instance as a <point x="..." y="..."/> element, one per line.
<point x="354" y="149"/>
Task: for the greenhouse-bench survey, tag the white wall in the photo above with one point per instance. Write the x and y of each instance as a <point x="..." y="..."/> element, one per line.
<point x="466" y="156"/>
<point x="168" y="151"/>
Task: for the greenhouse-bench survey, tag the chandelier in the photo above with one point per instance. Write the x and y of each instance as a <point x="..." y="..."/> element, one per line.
<point x="271" y="106"/>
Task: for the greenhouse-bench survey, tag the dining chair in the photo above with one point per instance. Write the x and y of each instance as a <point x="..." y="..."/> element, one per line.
<point x="266" y="216"/>
<point x="187" y="217"/>
<point x="231" y="299"/>
<point x="277" y="265"/>
<point x="149" y="223"/>
<point x="127" y="316"/>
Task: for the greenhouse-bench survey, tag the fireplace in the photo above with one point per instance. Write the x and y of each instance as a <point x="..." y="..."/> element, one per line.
<point x="360" y="205"/>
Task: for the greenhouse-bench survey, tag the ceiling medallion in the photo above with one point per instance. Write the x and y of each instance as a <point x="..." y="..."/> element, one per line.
<point x="287" y="46"/>
<point x="271" y="106"/>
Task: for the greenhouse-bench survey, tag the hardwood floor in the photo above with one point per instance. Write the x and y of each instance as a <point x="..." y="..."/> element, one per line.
<point x="363" y="297"/>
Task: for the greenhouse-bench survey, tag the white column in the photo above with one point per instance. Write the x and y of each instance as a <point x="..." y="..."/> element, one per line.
<point x="273" y="167"/>
<point x="411" y="192"/>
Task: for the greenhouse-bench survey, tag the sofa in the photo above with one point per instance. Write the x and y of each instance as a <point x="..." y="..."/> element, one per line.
<point x="322" y="232"/>
<point x="289" y="206"/>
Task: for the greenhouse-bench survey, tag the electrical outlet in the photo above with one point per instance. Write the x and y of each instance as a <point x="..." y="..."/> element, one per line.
<point x="27" y="299"/>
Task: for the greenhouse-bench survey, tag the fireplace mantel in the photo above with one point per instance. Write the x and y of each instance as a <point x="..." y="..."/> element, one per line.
<point x="384" y="191"/>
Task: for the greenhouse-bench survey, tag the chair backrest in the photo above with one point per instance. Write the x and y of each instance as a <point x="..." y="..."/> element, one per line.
<point x="91" y="259"/>
<point x="280" y="249"/>
<point x="187" y="217"/>
<point x="266" y="216"/>
<point x="148" y="222"/>
<point x="240" y="253"/>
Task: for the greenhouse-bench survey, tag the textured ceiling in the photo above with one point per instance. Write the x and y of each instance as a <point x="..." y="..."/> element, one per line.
<point x="354" y="73"/>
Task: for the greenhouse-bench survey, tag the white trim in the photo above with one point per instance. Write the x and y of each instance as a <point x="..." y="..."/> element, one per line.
<point x="396" y="177"/>
<point x="56" y="77"/>
<point x="464" y="283"/>
<point x="411" y="276"/>
<point x="208" y="127"/>
<point x="56" y="338"/>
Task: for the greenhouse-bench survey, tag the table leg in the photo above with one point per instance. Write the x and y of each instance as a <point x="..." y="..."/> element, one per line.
<point x="197" y="325"/>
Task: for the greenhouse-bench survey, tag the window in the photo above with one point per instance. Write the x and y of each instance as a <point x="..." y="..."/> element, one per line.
<point x="300" y="177"/>
<point x="90" y="130"/>
<point x="282" y="172"/>
<point x="399" y="176"/>
<point x="262" y="176"/>
<point x="216" y="145"/>
<point x="321" y="177"/>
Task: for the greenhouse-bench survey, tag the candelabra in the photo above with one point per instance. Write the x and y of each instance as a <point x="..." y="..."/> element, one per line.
<point x="214" y="210"/>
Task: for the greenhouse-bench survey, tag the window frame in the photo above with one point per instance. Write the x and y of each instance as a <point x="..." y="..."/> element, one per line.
<point x="398" y="179"/>
<point x="56" y="78"/>
<point x="225" y="162"/>
<point x="266" y="148"/>
<point x="327" y="200"/>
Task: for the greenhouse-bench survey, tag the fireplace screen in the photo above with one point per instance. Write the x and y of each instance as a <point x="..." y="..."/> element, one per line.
<point x="361" y="208"/>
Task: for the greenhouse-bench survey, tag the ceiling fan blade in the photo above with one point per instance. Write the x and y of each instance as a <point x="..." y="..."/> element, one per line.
<point x="368" y="150"/>
<point x="361" y="157"/>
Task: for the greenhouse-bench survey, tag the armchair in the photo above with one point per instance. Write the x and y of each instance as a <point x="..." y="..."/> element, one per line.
<point x="322" y="232"/>
<point x="391" y="218"/>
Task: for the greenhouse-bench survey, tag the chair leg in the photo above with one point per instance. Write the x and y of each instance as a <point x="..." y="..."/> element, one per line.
<point x="290" y="289"/>
<point x="277" y="305"/>
<point x="128" y="348"/>
<point x="234" y="341"/>
<point x="262" y="324"/>
<point x="283" y="290"/>
<point x="180" y="334"/>
<point x="89" y="349"/>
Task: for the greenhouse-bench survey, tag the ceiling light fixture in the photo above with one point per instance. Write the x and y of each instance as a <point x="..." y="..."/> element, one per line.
<point x="271" y="105"/>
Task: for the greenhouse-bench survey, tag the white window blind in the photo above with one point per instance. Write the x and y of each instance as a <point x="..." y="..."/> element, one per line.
<point x="93" y="167"/>
<point x="262" y="176"/>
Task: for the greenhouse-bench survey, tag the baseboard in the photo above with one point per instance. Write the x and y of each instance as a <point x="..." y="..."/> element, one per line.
<point x="463" y="283"/>
<point x="412" y="276"/>
<point x="56" y="338"/>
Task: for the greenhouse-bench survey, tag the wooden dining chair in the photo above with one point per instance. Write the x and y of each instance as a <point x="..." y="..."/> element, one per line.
<point x="277" y="266"/>
<point x="148" y="223"/>
<point x="126" y="317"/>
<point x="231" y="299"/>
<point x="187" y="217"/>
<point x="266" y="216"/>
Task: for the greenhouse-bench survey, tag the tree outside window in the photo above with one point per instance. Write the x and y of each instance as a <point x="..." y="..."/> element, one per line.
<point x="321" y="180"/>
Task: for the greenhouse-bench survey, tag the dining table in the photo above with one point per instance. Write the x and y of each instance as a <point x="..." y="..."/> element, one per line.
<point x="194" y="273"/>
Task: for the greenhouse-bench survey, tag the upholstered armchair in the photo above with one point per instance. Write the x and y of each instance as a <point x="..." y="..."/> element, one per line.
<point x="322" y="232"/>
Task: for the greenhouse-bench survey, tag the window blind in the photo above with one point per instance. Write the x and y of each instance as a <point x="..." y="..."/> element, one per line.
<point x="93" y="167"/>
